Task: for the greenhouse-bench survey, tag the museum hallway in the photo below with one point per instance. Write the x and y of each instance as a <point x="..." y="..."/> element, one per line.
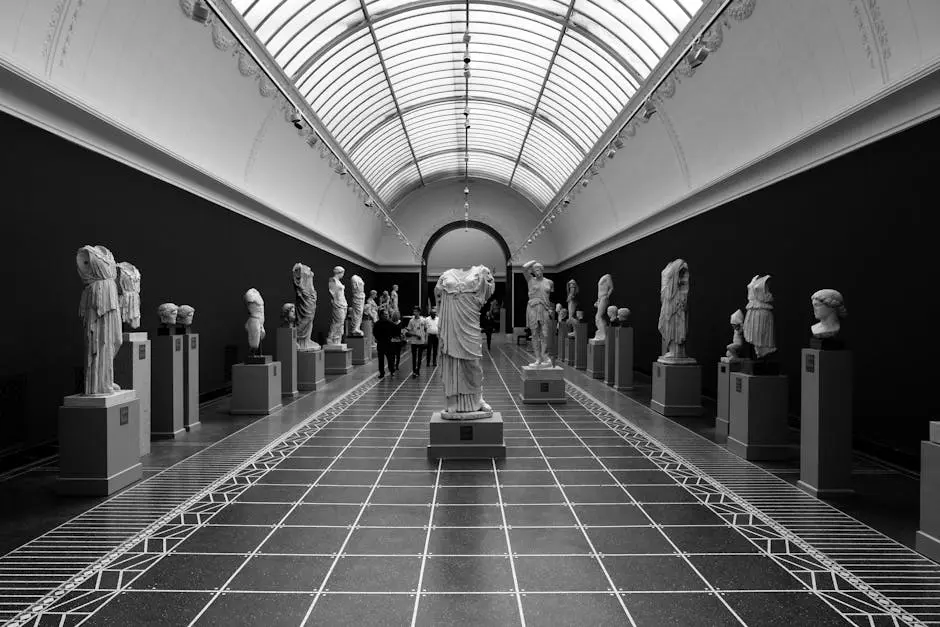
<point x="329" y="513"/>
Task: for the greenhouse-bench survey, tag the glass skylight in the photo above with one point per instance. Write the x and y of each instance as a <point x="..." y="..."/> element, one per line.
<point x="386" y="79"/>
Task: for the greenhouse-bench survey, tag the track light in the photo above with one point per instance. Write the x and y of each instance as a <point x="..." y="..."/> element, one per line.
<point x="200" y="12"/>
<point x="312" y="140"/>
<point x="649" y="110"/>
<point x="697" y="55"/>
<point x="297" y="120"/>
<point x="611" y="152"/>
<point x="618" y="142"/>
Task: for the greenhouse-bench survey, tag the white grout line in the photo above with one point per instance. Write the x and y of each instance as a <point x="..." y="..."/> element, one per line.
<point x="512" y="559"/>
<point x="427" y="543"/>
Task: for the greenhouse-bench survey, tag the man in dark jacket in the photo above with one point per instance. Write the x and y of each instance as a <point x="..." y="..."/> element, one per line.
<point x="383" y="331"/>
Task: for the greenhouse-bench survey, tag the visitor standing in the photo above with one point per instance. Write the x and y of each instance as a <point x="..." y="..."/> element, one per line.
<point x="383" y="332"/>
<point x="396" y="341"/>
<point x="417" y="336"/>
<point x="433" y="324"/>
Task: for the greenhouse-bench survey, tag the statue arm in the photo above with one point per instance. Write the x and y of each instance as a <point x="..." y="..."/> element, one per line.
<point x="525" y="270"/>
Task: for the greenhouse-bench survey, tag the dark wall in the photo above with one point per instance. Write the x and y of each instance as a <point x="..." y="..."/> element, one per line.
<point x="408" y="284"/>
<point x="58" y="197"/>
<point x="864" y="224"/>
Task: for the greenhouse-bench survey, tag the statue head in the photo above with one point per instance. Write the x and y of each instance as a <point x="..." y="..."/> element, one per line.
<point x="612" y="312"/>
<point x="827" y="303"/>
<point x="537" y="270"/>
<point x="385" y="295"/>
<point x="255" y="303"/>
<point x="623" y="314"/>
<point x="572" y="288"/>
<point x="185" y="315"/>
<point x="168" y="313"/>
<point x="339" y="272"/>
<point x="737" y="319"/>
<point x="288" y="314"/>
<point x="579" y="315"/>
<point x="373" y="294"/>
<point x="394" y="288"/>
<point x="562" y="315"/>
<point x="358" y="285"/>
<point x="558" y="307"/>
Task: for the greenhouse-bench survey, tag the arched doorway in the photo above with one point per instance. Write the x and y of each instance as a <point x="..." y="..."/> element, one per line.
<point x="475" y="225"/>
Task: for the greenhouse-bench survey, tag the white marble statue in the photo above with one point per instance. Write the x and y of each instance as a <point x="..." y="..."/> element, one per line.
<point x="288" y="315"/>
<point x="612" y="314"/>
<point x="460" y="295"/>
<point x="563" y="315"/>
<point x="393" y="301"/>
<point x="736" y="347"/>
<point x="371" y="308"/>
<point x="605" y="287"/>
<point x="759" y="321"/>
<point x="129" y="293"/>
<point x="358" y="305"/>
<point x="339" y="307"/>
<point x="168" y="313"/>
<point x="305" y="306"/>
<point x="828" y="307"/>
<point x="255" y="323"/>
<point x="558" y="308"/>
<point x="537" y="311"/>
<point x="673" y="314"/>
<point x="572" y="299"/>
<point x="184" y="317"/>
<point x="623" y="316"/>
<point x="100" y="311"/>
<point x="383" y="304"/>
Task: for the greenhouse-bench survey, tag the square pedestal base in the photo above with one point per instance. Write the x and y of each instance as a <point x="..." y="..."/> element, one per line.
<point x="190" y="380"/>
<point x="338" y="361"/>
<point x="677" y="389"/>
<point x="596" y="358"/>
<point x="132" y="372"/>
<point x="935" y="432"/>
<point x="928" y="546"/>
<point x="287" y="355"/>
<point x="466" y="439"/>
<point x="580" y="345"/>
<point x="623" y="359"/>
<point x="826" y="422"/>
<point x="543" y="385"/>
<point x="361" y="353"/>
<point x="569" y="351"/>
<point x="723" y="410"/>
<point x="256" y="388"/>
<point x="166" y="386"/>
<point x="610" y="357"/>
<point x="310" y="370"/>
<point x="928" y="536"/>
<point x="759" y="417"/>
<point x="99" y="449"/>
<point x="561" y="334"/>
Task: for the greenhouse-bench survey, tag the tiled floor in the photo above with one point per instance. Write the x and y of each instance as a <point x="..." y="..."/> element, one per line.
<point x="591" y="520"/>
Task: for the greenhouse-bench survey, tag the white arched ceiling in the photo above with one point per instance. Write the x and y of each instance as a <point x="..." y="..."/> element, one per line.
<point x="464" y="248"/>
<point x="547" y="77"/>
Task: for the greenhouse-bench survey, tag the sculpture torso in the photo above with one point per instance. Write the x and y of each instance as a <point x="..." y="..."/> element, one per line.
<point x="100" y="312"/>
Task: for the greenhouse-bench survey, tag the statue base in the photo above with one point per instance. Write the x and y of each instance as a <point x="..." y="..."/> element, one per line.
<point x="928" y="536"/>
<point x="826" y="344"/>
<point x="596" y="358"/>
<point x="166" y="386"/>
<point x="543" y="385"/>
<point x="174" y="330"/>
<point x="758" y="429"/>
<point x="723" y="410"/>
<point x="256" y="360"/>
<point x="560" y="341"/>
<point x="580" y="345"/>
<point x="623" y="360"/>
<point x="256" y="388"/>
<point x="337" y="360"/>
<point x="310" y="370"/>
<point x="132" y="370"/>
<point x="610" y="356"/>
<point x="135" y="336"/>
<point x="361" y="353"/>
<point x="935" y="432"/>
<point x="677" y="389"/>
<point x="759" y="367"/>
<point x="481" y="438"/>
<point x="826" y="422"/>
<point x="569" y="350"/>
<point x="287" y="355"/>
<point x="190" y="380"/>
<point x="677" y="361"/>
<point x="99" y="448"/>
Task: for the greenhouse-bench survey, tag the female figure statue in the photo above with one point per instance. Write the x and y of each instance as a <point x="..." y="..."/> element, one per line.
<point x="828" y="307"/>
<point x="383" y="304"/>
<point x="460" y="296"/>
<point x="371" y="308"/>
<point x="101" y="315"/>
<point x="673" y="314"/>
<point x="759" y="321"/>
<point x="305" y="306"/>
<point x="338" y="295"/>
<point x="358" y="304"/>
<point x="129" y="293"/>
<point x="572" y="299"/>
<point x="605" y="287"/>
<point x="255" y="324"/>
<point x="537" y="311"/>
<point x="393" y="300"/>
<point x="735" y="348"/>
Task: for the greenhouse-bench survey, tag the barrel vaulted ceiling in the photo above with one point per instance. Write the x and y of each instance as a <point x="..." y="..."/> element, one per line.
<point x="547" y="78"/>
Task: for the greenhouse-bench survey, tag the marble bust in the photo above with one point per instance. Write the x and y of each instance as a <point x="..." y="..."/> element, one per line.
<point x="184" y="317"/>
<point x="168" y="312"/>
<point x="100" y="311"/>
<point x="605" y="287"/>
<point x="829" y="308"/>
<point x="339" y="306"/>
<point x="305" y="306"/>
<point x="562" y="315"/>
<point x="129" y="293"/>
<point x="674" y="312"/>
<point x="759" y="322"/>
<point x="612" y="315"/>
<point x="736" y="347"/>
<point x="358" y="305"/>
<point x="537" y="311"/>
<point x="572" y="299"/>
<point x="288" y="315"/>
<point x="558" y="310"/>
<point x="623" y="316"/>
<point x="255" y="324"/>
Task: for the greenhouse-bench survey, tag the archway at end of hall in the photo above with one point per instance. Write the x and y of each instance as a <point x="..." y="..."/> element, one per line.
<point x="463" y="252"/>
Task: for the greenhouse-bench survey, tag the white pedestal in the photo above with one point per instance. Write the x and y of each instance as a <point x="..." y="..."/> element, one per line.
<point x="580" y="345"/>
<point x="569" y="349"/>
<point x="287" y="355"/>
<point x="99" y="443"/>
<point x="596" y="358"/>
<point x="337" y="360"/>
<point x="677" y="389"/>
<point x="132" y="372"/>
<point x="367" y="326"/>
<point x="190" y="380"/>
<point x="935" y="432"/>
<point x="543" y="385"/>
<point x="723" y="411"/>
<point x="360" y="350"/>
<point x="466" y="439"/>
<point x="166" y="408"/>
<point x="623" y="359"/>
<point x="610" y="357"/>
<point x="310" y="370"/>
<point x="928" y="536"/>
<point x="826" y="422"/>
<point x="758" y="429"/>
<point x="256" y="388"/>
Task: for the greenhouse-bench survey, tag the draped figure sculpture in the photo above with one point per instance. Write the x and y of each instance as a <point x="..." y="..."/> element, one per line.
<point x="340" y="307"/>
<point x="759" y="320"/>
<point x="393" y="301"/>
<point x="734" y="351"/>
<point x="371" y="308"/>
<point x="460" y="295"/>
<point x="358" y="305"/>
<point x="255" y="324"/>
<point x="100" y="311"/>
<point x="129" y="293"/>
<point x="673" y="314"/>
<point x="572" y="300"/>
<point x="537" y="311"/>
<point x="383" y="304"/>
<point x="605" y="287"/>
<point x="305" y="306"/>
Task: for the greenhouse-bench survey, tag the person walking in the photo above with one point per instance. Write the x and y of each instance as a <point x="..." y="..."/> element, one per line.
<point x="396" y="341"/>
<point x="383" y="332"/>
<point x="488" y="324"/>
<point x="433" y="324"/>
<point x="417" y="336"/>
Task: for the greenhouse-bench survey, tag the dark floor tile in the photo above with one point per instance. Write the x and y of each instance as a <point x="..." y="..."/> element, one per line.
<point x="661" y="494"/>
<point x="250" y="514"/>
<point x="467" y="464"/>
<point x="744" y="572"/>
<point x="522" y="463"/>
<point x="683" y="609"/>
<point x="305" y="540"/>
<point x="188" y="572"/>
<point x="238" y="608"/>
<point x="272" y="494"/>
<point x="467" y="478"/>
<point x="323" y="514"/>
<point x="575" y="463"/>
<point x="396" y="516"/>
<point x="585" y="477"/>
<point x="305" y="463"/>
<point x="292" y="477"/>
<point x="410" y="463"/>
<point x="526" y="478"/>
<point x="565" y="610"/>
<point x="407" y="478"/>
<point x="159" y="609"/>
<point x="682" y="514"/>
<point x="375" y="541"/>
<point x="459" y="610"/>
<point x="630" y="540"/>
<point x="486" y="573"/>
<point x="282" y="573"/>
<point x="466" y="495"/>
<point x="358" y="463"/>
<point x="539" y="515"/>
<point x="578" y="451"/>
<point x="337" y="494"/>
<point x="380" y="452"/>
<point x="410" y="495"/>
<point x="596" y="494"/>
<point x="651" y="477"/>
<point x="709" y="540"/>
<point x="374" y="574"/>
<point x="628" y="463"/>
<point x="516" y="495"/>
<point x="467" y="540"/>
<point x="649" y="573"/>
<point x="616" y="514"/>
<point x="357" y="610"/>
<point x="223" y="539"/>
<point x="468" y="516"/>
<point x="350" y="477"/>
<point x="548" y="540"/>
<point x="562" y="573"/>
<point x="783" y="609"/>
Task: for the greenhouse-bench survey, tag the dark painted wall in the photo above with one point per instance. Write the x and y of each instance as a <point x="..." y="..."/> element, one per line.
<point x="408" y="285"/>
<point x="58" y="197"/>
<point x="864" y="224"/>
